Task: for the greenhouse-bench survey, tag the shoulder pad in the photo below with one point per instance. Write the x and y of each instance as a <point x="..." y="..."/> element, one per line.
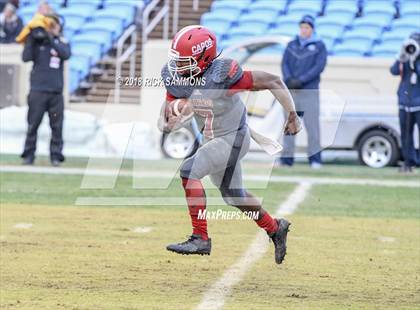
<point x="226" y="71"/>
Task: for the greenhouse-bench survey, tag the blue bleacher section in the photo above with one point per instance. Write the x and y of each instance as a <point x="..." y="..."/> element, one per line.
<point x="365" y="28"/>
<point x="91" y="26"/>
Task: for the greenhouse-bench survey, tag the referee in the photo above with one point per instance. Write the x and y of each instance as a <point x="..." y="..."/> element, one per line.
<point x="48" y="51"/>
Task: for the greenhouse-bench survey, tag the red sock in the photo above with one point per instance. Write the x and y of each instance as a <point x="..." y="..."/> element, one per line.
<point x="196" y="200"/>
<point x="268" y="223"/>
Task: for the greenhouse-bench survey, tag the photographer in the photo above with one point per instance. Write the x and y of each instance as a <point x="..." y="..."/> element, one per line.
<point x="48" y="51"/>
<point x="408" y="67"/>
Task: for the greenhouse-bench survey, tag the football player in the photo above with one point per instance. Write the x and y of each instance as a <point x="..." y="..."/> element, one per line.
<point x="211" y="85"/>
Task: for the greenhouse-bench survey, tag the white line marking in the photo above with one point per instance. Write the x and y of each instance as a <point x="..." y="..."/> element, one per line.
<point x="386" y="239"/>
<point x="258" y="178"/>
<point x="214" y="298"/>
<point x="142" y="230"/>
<point x="23" y="226"/>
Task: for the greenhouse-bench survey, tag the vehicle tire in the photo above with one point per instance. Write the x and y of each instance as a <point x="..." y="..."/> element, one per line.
<point x="377" y="149"/>
<point x="179" y="144"/>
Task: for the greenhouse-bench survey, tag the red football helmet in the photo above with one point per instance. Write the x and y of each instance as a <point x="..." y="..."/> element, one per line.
<point x="192" y="51"/>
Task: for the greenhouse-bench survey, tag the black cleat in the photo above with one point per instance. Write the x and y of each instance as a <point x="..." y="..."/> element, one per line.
<point x="279" y="239"/>
<point x="194" y="245"/>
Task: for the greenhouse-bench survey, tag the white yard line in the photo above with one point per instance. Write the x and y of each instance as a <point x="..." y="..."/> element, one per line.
<point x="214" y="298"/>
<point x="262" y="178"/>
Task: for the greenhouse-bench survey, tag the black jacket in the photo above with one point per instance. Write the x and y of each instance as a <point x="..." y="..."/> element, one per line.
<point x="48" y="58"/>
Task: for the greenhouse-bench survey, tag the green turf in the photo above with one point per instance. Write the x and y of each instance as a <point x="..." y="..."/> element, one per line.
<point x="362" y="201"/>
<point x="350" y="246"/>
<point x="338" y="263"/>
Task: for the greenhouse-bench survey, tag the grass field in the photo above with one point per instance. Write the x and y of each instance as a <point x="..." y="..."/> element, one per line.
<point x="350" y="247"/>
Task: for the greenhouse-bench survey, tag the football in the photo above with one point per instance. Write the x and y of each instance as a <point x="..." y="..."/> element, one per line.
<point x="179" y="106"/>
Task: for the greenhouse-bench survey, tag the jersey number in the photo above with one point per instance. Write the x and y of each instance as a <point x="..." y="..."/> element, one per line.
<point x="208" y="124"/>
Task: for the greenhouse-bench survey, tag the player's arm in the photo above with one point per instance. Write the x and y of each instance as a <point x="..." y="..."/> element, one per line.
<point x="260" y="80"/>
<point x="265" y="81"/>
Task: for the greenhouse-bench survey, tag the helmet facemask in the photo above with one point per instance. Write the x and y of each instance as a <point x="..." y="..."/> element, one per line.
<point x="182" y="66"/>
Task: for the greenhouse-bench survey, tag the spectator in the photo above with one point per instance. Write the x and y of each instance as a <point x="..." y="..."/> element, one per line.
<point x="303" y="62"/>
<point x="48" y="51"/>
<point x="10" y="24"/>
<point x="408" y="67"/>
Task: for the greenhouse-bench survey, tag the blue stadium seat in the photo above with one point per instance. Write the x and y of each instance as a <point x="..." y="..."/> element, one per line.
<point x="226" y="14"/>
<point x="364" y="32"/>
<point x="382" y="21"/>
<point x="388" y="49"/>
<point x="334" y="20"/>
<point x="226" y="43"/>
<point x="354" y="47"/>
<point x="91" y="50"/>
<point x="329" y="43"/>
<point x="258" y="17"/>
<point x="410" y="9"/>
<point x="330" y="31"/>
<point x="109" y="24"/>
<point x="104" y="38"/>
<point x="121" y="9"/>
<point x="248" y="29"/>
<point x="73" y="22"/>
<point x="74" y="80"/>
<point x="288" y="19"/>
<point x="96" y="3"/>
<point x="269" y="5"/>
<point x="286" y="29"/>
<point x="30" y="9"/>
<point x="396" y="35"/>
<point x="220" y="16"/>
<point x="409" y="21"/>
<point x="56" y="3"/>
<point x="382" y="54"/>
<point x="305" y="7"/>
<point x="218" y="27"/>
<point x="124" y="14"/>
<point x="81" y="10"/>
<point x="230" y="4"/>
<point x="342" y="6"/>
<point x="26" y="17"/>
<point x="69" y="33"/>
<point x="80" y="64"/>
<point x="386" y="7"/>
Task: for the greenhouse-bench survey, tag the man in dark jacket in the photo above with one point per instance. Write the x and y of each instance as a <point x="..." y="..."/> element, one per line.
<point x="303" y="62"/>
<point x="48" y="51"/>
<point x="408" y="67"/>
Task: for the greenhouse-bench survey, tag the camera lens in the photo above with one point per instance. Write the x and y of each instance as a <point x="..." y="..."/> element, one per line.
<point x="410" y="49"/>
